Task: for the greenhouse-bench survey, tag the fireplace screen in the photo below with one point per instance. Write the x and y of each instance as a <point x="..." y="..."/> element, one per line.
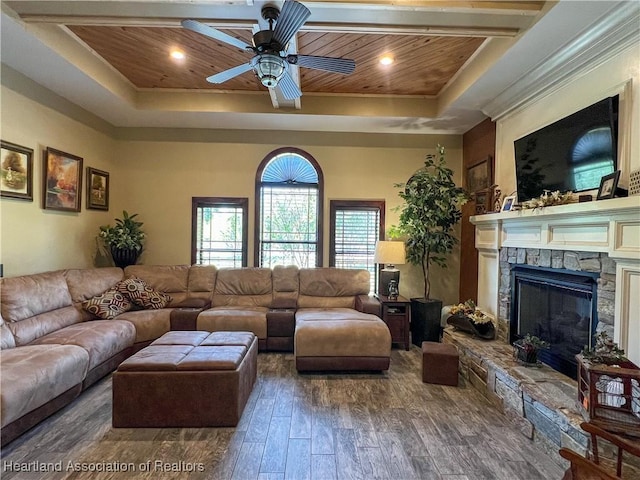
<point x="557" y="306"/>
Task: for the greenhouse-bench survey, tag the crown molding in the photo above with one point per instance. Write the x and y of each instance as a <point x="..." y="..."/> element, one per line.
<point x="613" y="33"/>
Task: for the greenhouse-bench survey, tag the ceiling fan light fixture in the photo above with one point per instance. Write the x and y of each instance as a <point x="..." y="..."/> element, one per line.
<point x="269" y="68"/>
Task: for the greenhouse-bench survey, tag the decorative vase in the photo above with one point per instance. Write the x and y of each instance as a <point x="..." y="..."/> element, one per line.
<point x="461" y="322"/>
<point x="123" y="257"/>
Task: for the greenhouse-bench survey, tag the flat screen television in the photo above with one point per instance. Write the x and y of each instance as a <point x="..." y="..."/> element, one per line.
<point x="573" y="153"/>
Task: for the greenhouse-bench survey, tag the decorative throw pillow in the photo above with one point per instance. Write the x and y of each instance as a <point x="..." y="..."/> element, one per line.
<point x="107" y="305"/>
<point x="142" y="294"/>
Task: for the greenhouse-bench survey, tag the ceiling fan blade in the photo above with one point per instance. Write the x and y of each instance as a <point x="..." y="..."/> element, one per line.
<point x="288" y="87"/>
<point x="291" y="18"/>
<point x="229" y="74"/>
<point x="329" y="64"/>
<point x="213" y="33"/>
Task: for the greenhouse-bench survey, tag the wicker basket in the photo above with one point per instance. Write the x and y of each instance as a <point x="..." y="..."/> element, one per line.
<point x="609" y="395"/>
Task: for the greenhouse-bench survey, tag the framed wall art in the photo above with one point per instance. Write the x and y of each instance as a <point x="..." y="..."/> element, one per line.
<point x="61" y="181"/>
<point x="16" y="164"/>
<point x="479" y="175"/>
<point x="608" y="185"/>
<point x="97" y="189"/>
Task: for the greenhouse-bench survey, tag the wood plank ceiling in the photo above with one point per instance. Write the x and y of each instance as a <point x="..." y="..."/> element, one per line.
<point x="423" y="64"/>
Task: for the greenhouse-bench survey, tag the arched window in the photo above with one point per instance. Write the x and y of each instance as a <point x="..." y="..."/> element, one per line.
<point x="289" y="193"/>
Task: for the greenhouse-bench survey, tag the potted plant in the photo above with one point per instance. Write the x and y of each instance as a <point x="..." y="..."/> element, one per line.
<point x="471" y="319"/>
<point x="526" y="349"/>
<point x="124" y="240"/>
<point x="431" y="209"/>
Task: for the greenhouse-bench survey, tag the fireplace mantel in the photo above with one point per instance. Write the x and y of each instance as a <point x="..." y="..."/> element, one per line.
<point x="610" y="226"/>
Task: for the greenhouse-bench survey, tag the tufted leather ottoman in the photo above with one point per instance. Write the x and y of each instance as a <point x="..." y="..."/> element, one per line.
<point x="440" y="363"/>
<point x="186" y="379"/>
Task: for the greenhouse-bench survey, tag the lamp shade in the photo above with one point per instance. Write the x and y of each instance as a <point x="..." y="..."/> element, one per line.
<point x="389" y="252"/>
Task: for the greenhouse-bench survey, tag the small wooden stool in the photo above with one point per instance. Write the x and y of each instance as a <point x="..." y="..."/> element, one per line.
<point x="440" y="363"/>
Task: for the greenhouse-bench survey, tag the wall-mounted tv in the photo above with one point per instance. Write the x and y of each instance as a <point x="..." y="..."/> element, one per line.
<point x="573" y="153"/>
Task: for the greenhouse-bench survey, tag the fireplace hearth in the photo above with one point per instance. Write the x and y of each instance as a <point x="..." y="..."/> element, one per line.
<point x="558" y="306"/>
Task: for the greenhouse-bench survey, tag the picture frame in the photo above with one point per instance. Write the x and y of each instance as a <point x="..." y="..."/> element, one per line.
<point x="508" y="203"/>
<point x="479" y="175"/>
<point x="482" y="200"/>
<point x="61" y="181"/>
<point x="97" y="189"/>
<point x="608" y="185"/>
<point x="16" y="166"/>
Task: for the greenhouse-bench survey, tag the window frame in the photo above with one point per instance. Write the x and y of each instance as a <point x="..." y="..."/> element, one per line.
<point x="365" y="205"/>
<point x="258" y="201"/>
<point x="199" y="202"/>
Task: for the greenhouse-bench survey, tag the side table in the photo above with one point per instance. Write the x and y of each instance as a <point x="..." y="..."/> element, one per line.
<point x="397" y="315"/>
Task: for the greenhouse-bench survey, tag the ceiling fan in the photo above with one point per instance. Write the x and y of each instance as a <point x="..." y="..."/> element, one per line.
<point x="271" y="60"/>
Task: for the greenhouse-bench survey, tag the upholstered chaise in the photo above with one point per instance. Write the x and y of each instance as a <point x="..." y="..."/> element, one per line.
<point x="330" y="333"/>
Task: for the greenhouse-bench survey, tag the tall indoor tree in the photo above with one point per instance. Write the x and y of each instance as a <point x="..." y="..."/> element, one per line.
<point x="428" y="216"/>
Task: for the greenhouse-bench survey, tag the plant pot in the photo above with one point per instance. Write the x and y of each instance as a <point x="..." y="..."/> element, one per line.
<point x="123" y="257"/>
<point x="524" y="356"/>
<point x="425" y="320"/>
<point x="461" y="322"/>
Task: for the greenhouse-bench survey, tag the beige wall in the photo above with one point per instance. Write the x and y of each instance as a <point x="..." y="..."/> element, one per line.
<point x="162" y="177"/>
<point x="606" y="80"/>
<point x="32" y="239"/>
<point x="157" y="180"/>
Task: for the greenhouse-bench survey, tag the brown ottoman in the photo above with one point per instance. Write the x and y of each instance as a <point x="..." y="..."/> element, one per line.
<point x="440" y="363"/>
<point x="186" y="379"/>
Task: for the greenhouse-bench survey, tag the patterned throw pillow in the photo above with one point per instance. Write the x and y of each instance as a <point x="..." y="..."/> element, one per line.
<point x="107" y="305"/>
<point x="142" y="294"/>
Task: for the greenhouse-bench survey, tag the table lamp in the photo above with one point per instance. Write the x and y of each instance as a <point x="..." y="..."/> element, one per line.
<point x="390" y="254"/>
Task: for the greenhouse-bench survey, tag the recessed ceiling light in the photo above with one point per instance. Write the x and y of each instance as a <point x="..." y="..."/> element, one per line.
<point x="177" y="54"/>
<point x="386" y="60"/>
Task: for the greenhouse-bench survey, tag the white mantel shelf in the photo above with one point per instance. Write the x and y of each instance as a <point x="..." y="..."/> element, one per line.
<point x="611" y="226"/>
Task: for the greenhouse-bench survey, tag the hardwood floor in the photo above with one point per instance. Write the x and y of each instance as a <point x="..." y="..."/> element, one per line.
<point x="338" y="426"/>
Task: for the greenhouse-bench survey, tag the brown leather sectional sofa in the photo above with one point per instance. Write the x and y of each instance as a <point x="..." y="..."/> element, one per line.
<point x="52" y="349"/>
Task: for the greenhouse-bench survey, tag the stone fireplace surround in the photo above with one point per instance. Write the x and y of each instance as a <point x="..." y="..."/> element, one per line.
<point x="599" y="236"/>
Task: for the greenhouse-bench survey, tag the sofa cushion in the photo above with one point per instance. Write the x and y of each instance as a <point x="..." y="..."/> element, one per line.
<point x="101" y="339"/>
<point x="170" y="279"/>
<point x="142" y="294"/>
<point x="34" y="374"/>
<point x="6" y="337"/>
<point x="331" y="287"/>
<point x="340" y="332"/>
<point x="34" y="305"/>
<point x="149" y="324"/>
<point x="249" y="287"/>
<point x="245" y="319"/>
<point x="86" y="283"/>
<point x="107" y="305"/>
<point x="285" y="286"/>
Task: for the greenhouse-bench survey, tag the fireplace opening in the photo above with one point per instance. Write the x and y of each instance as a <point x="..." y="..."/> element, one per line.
<point x="558" y="306"/>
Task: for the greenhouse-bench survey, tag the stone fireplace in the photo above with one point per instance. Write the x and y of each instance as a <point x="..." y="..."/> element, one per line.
<point x="599" y="242"/>
<point x="557" y="304"/>
<point x="600" y="238"/>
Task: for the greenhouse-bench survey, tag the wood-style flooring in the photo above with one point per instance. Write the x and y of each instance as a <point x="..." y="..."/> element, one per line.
<point x="296" y="426"/>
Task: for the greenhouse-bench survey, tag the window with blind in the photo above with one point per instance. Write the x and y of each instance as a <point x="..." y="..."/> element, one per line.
<point x="289" y="210"/>
<point x="219" y="231"/>
<point x="356" y="226"/>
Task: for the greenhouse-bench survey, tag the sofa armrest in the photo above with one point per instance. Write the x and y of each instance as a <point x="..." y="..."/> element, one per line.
<point x="368" y="304"/>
